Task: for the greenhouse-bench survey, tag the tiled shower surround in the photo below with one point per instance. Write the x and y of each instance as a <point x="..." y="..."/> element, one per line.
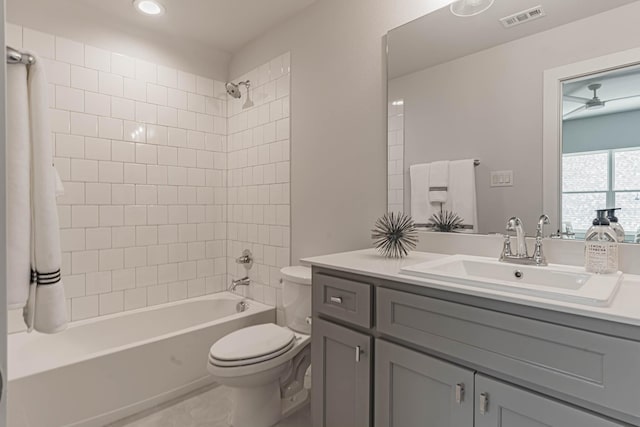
<point x="395" y="154"/>
<point x="142" y="150"/>
<point x="258" y="210"/>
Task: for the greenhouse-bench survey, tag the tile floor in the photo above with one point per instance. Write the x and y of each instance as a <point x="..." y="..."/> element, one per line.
<point x="208" y="408"/>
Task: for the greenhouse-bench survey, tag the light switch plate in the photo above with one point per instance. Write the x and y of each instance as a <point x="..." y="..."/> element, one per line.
<point x="501" y="178"/>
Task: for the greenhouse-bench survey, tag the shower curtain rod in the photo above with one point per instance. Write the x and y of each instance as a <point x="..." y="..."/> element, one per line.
<point x="16" y="57"/>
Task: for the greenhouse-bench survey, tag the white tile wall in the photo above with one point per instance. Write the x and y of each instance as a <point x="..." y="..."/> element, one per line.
<point x="167" y="179"/>
<point x="144" y="168"/>
<point x="395" y="167"/>
<point x="258" y="177"/>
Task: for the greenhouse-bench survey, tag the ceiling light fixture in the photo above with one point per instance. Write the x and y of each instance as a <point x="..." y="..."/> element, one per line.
<point x="149" y="7"/>
<point x="466" y="8"/>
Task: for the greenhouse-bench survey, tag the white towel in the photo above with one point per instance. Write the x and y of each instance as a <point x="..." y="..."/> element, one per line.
<point x="18" y="183"/>
<point x="421" y="207"/>
<point x="462" y="193"/>
<point x="45" y="310"/>
<point x="438" y="181"/>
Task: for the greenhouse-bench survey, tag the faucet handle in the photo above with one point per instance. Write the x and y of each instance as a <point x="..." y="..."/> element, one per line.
<point x="542" y="221"/>
<point x="506" y="248"/>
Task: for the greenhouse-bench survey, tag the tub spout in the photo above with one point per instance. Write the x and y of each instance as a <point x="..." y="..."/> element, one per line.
<point x="245" y="281"/>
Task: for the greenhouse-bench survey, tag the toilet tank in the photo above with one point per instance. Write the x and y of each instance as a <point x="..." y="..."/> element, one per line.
<point x="296" y="298"/>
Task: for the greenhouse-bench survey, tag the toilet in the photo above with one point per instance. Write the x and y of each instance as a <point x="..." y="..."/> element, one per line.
<point x="265" y="365"/>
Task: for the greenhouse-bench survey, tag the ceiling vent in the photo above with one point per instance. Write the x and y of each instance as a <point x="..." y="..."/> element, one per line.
<point x="522" y="17"/>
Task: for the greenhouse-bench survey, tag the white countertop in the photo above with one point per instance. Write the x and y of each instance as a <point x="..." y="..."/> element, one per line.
<point x="625" y="307"/>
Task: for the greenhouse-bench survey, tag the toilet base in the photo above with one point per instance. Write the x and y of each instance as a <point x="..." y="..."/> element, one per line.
<point x="262" y="406"/>
<point x="256" y="406"/>
<point x="295" y="402"/>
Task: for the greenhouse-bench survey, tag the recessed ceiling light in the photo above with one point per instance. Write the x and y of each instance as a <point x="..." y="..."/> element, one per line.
<point x="466" y="8"/>
<point x="149" y="7"/>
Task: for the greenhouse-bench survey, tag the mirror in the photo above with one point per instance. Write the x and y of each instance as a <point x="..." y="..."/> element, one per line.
<point x="472" y="89"/>
<point x="591" y="144"/>
<point x="600" y="166"/>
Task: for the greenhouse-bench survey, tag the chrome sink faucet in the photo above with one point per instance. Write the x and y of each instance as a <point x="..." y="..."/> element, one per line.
<point x="521" y="255"/>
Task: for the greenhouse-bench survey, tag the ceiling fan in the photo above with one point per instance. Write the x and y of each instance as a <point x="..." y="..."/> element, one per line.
<point x="592" y="103"/>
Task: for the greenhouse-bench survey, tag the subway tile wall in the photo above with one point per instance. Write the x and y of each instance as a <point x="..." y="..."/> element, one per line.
<point x="258" y="208"/>
<point x="141" y="149"/>
<point x="395" y="147"/>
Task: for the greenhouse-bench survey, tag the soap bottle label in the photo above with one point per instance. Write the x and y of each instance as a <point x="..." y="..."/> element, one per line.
<point x="601" y="257"/>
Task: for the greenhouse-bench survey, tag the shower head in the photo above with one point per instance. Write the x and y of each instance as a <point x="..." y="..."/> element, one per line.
<point x="233" y="89"/>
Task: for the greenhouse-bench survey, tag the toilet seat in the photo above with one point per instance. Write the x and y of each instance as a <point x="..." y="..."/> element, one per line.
<point x="251" y="345"/>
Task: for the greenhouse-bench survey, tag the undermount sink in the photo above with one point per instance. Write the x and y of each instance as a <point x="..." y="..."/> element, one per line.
<point x="556" y="282"/>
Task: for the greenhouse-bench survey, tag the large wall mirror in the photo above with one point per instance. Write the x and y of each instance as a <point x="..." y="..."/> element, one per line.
<point x="466" y="103"/>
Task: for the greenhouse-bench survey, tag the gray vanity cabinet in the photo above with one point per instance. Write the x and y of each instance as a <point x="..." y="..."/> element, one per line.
<point x="440" y="362"/>
<point x="502" y="405"/>
<point x="341" y="377"/>
<point x="415" y="390"/>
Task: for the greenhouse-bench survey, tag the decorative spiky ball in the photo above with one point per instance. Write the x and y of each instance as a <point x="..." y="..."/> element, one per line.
<point x="446" y="221"/>
<point x="394" y="235"/>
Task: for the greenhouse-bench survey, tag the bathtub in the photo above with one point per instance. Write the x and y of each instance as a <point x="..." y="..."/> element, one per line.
<point x="103" y="369"/>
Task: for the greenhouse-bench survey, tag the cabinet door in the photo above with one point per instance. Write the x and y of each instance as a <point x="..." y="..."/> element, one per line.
<point x="415" y="390"/>
<point x="502" y="405"/>
<point x="341" y="372"/>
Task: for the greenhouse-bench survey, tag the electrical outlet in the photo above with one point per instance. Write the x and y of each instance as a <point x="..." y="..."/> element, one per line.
<point x="501" y="178"/>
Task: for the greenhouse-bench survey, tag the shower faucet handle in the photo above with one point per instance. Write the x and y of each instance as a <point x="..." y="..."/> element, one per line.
<point x="246" y="259"/>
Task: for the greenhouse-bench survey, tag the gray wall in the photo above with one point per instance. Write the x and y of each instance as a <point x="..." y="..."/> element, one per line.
<point x="338" y="116"/>
<point x="609" y="131"/>
<point x="489" y="106"/>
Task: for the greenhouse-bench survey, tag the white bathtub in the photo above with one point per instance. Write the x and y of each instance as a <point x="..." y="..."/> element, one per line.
<point x="104" y="369"/>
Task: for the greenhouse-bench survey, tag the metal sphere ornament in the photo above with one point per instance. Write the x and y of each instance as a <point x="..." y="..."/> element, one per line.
<point x="394" y="235"/>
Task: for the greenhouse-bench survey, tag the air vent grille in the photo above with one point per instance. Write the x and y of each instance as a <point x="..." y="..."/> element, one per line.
<point x="522" y="17"/>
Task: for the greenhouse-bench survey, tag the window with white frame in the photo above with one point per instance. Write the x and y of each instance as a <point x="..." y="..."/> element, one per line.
<point x="600" y="179"/>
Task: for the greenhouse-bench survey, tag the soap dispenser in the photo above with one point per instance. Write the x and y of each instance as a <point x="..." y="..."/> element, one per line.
<point x="601" y="246"/>
<point x="613" y="219"/>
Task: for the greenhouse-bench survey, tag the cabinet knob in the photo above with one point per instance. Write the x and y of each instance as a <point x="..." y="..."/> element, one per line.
<point x="484" y="403"/>
<point x="459" y="393"/>
<point x="358" y="353"/>
<point x="336" y="300"/>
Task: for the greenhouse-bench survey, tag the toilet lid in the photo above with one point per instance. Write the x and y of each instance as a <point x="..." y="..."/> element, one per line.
<point x="252" y="342"/>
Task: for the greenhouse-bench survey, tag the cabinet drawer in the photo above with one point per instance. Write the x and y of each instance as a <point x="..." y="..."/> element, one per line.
<point x="579" y="365"/>
<point x="342" y="299"/>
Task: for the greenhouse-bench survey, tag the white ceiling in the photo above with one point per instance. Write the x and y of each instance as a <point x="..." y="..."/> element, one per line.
<point x="222" y="24"/>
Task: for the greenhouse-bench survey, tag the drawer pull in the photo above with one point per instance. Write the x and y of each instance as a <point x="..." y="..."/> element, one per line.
<point x="459" y="393"/>
<point x="358" y="353"/>
<point x="484" y="403"/>
<point x="336" y="300"/>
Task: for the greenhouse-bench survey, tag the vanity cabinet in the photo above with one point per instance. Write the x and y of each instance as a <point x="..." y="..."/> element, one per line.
<point x="386" y="354"/>
<point x="414" y="390"/>
<point x="502" y="405"/>
<point x="342" y="381"/>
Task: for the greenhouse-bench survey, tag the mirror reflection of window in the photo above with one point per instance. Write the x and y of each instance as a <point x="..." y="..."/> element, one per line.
<point x="594" y="180"/>
<point x="601" y="149"/>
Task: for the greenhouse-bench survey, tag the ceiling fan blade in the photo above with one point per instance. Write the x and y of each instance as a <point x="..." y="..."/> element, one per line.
<point x="576" y="98"/>
<point x="623" y="97"/>
<point x="574" y="111"/>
